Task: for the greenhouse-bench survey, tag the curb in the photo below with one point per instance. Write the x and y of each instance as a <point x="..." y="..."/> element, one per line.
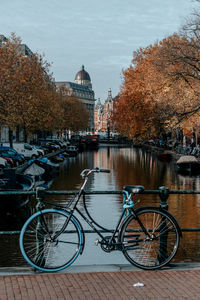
<point x="9" y="271"/>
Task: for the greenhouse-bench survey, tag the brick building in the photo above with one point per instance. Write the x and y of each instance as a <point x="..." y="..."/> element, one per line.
<point x="103" y="112"/>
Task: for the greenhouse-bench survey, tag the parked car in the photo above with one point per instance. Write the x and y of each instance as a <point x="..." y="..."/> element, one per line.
<point x="12" y="153"/>
<point x="151" y="142"/>
<point x="50" y="147"/>
<point x="3" y="163"/>
<point x="40" y="149"/>
<point x="27" y="150"/>
<point x="62" y="144"/>
<point x="10" y="161"/>
<point x="35" y="151"/>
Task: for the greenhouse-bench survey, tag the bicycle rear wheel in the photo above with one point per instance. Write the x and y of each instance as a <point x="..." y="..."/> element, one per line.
<point x="46" y="244"/>
<point x="156" y="251"/>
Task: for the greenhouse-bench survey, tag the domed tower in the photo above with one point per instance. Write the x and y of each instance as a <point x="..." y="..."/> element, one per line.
<point x="83" y="78"/>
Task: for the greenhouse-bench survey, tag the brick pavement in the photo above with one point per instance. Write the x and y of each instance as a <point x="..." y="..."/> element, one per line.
<point x="162" y="284"/>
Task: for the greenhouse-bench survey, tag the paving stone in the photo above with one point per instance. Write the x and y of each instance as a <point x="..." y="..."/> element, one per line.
<point x="163" y="284"/>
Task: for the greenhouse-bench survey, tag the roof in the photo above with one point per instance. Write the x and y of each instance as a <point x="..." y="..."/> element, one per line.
<point x="79" y="87"/>
<point x="82" y="75"/>
<point x="24" y="49"/>
<point x="187" y="159"/>
<point x="73" y="85"/>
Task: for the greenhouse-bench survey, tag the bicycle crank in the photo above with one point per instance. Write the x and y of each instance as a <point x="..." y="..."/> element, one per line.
<point x="106" y="246"/>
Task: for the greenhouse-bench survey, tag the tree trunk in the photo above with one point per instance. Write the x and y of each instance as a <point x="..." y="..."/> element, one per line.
<point x="25" y="135"/>
<point x="11" y="138"/>
<point x="17" y="133"/>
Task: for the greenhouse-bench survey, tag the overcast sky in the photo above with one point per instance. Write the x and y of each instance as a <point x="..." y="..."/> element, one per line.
<point x="101" y="34"/>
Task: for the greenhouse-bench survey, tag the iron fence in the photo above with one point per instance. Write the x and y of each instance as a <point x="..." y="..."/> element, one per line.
<point x="40" y="193"/>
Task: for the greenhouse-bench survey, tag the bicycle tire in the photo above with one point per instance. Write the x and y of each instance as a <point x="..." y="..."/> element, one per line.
<point x="145" y="253"/>
<point x="41" y="250"/>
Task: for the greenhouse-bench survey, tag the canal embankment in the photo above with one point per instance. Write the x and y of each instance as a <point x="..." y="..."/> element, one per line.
<point x="9" y="271"/>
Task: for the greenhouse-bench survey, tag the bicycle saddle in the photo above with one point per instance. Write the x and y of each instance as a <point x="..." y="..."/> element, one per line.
<point x="135" y="189"/>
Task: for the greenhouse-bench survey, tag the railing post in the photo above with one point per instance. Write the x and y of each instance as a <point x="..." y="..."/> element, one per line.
<point x="40" y="193"/>
<point x="39" y="241"/>
<point x="164" y="194"/>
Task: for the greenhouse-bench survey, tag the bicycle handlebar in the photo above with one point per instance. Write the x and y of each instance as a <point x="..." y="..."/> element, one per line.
<point x="104" y="170"/>
<point x="87" y="172"/>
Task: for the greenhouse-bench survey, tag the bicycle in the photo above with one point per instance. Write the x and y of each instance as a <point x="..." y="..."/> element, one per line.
<point x="52" y="239"/>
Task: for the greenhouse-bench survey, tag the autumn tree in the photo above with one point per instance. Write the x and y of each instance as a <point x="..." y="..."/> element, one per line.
<point x="38" y="102"/>
<point x="157" y="93"/>
<point x="75" y="116"/>
<point x="180" y="61"/>
<point x="27" y="95"/>
<point x="134" y="111"/>
<point x="178" y="96"/>
<point x="161" y="87"/>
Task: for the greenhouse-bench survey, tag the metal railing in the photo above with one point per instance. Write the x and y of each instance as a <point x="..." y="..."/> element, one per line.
<point x="40" y="193"/>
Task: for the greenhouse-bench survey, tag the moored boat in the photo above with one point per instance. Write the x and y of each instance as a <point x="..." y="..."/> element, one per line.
<point x="41" y="169"/>
<point x="71" y="151"/>
<point x="11" y="181"/>
<point x="164" y="156"/>
<point x="188" y="164"/>
<point x="57" y="159"/>
<point x="90" y="141"/>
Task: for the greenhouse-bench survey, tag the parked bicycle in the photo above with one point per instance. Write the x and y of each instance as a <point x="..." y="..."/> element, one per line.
<point x="52" y="239"/>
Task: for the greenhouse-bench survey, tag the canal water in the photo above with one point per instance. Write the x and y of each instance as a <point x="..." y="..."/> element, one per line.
<point x="129" y="166"/>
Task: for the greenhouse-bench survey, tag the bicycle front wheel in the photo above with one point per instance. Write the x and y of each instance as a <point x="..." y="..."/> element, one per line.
<point x="155" y="245"/>
<point x="49" y="241"/>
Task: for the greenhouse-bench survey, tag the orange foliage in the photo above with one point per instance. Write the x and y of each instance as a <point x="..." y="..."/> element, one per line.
<point x="27" y="95"/>
<point x="157" y="92"/>
<point x="75" y="116"/>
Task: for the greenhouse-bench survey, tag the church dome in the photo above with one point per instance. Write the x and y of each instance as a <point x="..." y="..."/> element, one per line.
<point x="83" y="78"/>
<point x="82" y="75"/>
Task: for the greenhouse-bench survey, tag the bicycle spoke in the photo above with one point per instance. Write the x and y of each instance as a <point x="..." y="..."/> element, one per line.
<point x="155" y="249"/>
<point x="42" y="249"/>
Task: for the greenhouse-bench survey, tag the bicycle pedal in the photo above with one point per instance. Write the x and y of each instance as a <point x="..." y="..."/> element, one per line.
<point x="96" y="242"/>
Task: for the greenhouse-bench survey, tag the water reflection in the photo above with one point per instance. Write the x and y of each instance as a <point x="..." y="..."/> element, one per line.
<point x="128" y="166"/>
<point x="135" y="166"/>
